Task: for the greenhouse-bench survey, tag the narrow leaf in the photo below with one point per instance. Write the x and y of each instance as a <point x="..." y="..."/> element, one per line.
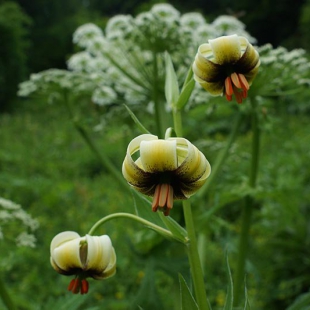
<point x="171" y="83"/>
<point x="302" y="302"/>
<point x="247" y="304"/>
<point x="185" y="94"/>
<point x="178" y="231"/>
<point x="135" y="119"/>
<point x="229" y="296"/>
<point x="187" y="300"/>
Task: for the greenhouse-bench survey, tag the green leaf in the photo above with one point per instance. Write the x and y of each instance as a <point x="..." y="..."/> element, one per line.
<point x="185" y="94"/>
<point x="135" y="119"/>
<point x="247" y="304"/>
<point x="178" y="231"/>
<point x="187" y="300"/>
<point x="302" y="302"/>
<point x="171" y="83"/>
<point x="229" y="296"/>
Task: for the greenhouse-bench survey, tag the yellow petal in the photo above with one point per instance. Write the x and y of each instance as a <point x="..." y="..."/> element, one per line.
<point x="63" y="237"/>
<point x="158" y="155"/>
<point x="130" y="169"/>
<point x="109" y="270"/>
<point x="214" y="89"/>
<point x="67" y="255"/>
<point x="195" y="164"/>
<point x="99" y="253"/>
<point x="226" y="49"/>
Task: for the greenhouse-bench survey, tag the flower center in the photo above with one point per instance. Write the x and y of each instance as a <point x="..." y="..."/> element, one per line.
<point x="78" y="285"/>
<point x="163" y="198"/>
<point x="238" y="85"/>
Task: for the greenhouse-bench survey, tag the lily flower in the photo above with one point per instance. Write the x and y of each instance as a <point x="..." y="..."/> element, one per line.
<point x="226" y="65"/>
<point x="165" y="170"/>
<point x="84" y="257"/>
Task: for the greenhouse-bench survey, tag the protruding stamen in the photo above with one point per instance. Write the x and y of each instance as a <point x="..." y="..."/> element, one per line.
<point x="74" y="286"/>
<point x="228" y="86"/>
<point x="163" y="198"/>
<point x="235" y="80"/>
<point x="244" y="83"/>
<point x="84" y="286"/>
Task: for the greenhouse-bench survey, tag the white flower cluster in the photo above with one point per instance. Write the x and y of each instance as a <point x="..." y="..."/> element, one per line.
<point x="286" y="71"/>
<point x="14" y="218"/>
<point x="125" y="61"/>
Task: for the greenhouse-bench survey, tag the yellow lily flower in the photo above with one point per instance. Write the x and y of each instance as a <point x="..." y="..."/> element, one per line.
<point x="166" y="169"/>
<point x="88" y="256"/>
<point x="226" y="65"/>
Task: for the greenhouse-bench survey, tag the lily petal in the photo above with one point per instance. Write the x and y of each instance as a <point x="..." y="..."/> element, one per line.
<point x="110" y="270"/>
<point x="99" y="253"/>
<point x="130" y="169"/>
<point x="226" y="49"/>
<point x="158" y="156"/>
<point x="214" y="88"/>
<point x="67" y="255"/>
<point x="194" y="166"/>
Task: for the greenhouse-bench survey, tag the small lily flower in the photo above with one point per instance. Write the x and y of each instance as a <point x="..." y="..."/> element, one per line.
<point x="83" y="257"/>
<point x="226" y="65"/>
<point x="166" y="169"/>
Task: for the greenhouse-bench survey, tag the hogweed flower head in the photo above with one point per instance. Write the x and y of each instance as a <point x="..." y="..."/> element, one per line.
<point x="226" y="65"/>
<point x="89" y="256"/>
<point x="165" y="170"/>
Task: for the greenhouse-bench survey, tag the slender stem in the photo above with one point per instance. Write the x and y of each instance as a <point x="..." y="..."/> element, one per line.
<point x="177" y="120"/>
<point x="194" y="260"/>
<point x="105" y="161"/>
<point x="159" y="109"/>
<point x="247" y="208"/>
<point x="166" y="233"/>
<point x="4" y="295"/>
<point x="216" y="167"/>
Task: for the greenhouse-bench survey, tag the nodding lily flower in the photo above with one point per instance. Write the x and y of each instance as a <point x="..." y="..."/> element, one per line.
<point x="166" y="169"/>
<point x="83" y="257"/>
<point x="226" y="65"/>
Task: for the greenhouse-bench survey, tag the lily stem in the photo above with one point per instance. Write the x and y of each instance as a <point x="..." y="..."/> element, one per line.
<point x="104" y="160"/>
<point x="216" y="167"/>
<point x="247" y="208"/>
<point x="194" y="260"/>
<point x="159" y="229"/>
<point x="4" y="295"/>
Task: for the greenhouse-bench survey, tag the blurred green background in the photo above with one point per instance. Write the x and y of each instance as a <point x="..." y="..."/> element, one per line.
<point x="46" y="167"/>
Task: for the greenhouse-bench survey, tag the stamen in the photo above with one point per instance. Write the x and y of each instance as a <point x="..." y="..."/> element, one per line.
<point x="84" y="286"/>
<point x="244" y="83"/>
<point x="235" y="80"/>
<point x="74" y="286"/>
<point x="228" y="87"/>
<point x="155" y="202"/>
<point x="163" y="198"/>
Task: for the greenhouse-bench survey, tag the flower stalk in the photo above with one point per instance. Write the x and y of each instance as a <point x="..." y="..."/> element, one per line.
<point x="247" y="208"/>
<point x="164" y="232"/>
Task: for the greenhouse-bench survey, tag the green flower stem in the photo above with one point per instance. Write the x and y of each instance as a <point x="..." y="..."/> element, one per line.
<point x="194" y="260"/>
<point x="216" y="167"/>
<point x="105" y="161"/>
<point x="192" y="247"/>
<point x="246" y="215"/>
<point x="164" y="232"/>
<point x="158" y="105"/>
<point x="4" y="295"/>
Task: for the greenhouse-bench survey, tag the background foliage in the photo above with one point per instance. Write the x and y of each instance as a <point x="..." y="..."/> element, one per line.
<point x="47" y="168"/>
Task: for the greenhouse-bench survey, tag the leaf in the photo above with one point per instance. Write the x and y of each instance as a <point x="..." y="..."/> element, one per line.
<point x="247" y="304"/>
<point x="229" y="296"/>
<point x="302" y="302"/>
<point x="185" y="94"/>
<point x="187" y="300"/>
<point x="171" y="83"/>
<point x="178" y="231"/>
<point x="135" y="119"/>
